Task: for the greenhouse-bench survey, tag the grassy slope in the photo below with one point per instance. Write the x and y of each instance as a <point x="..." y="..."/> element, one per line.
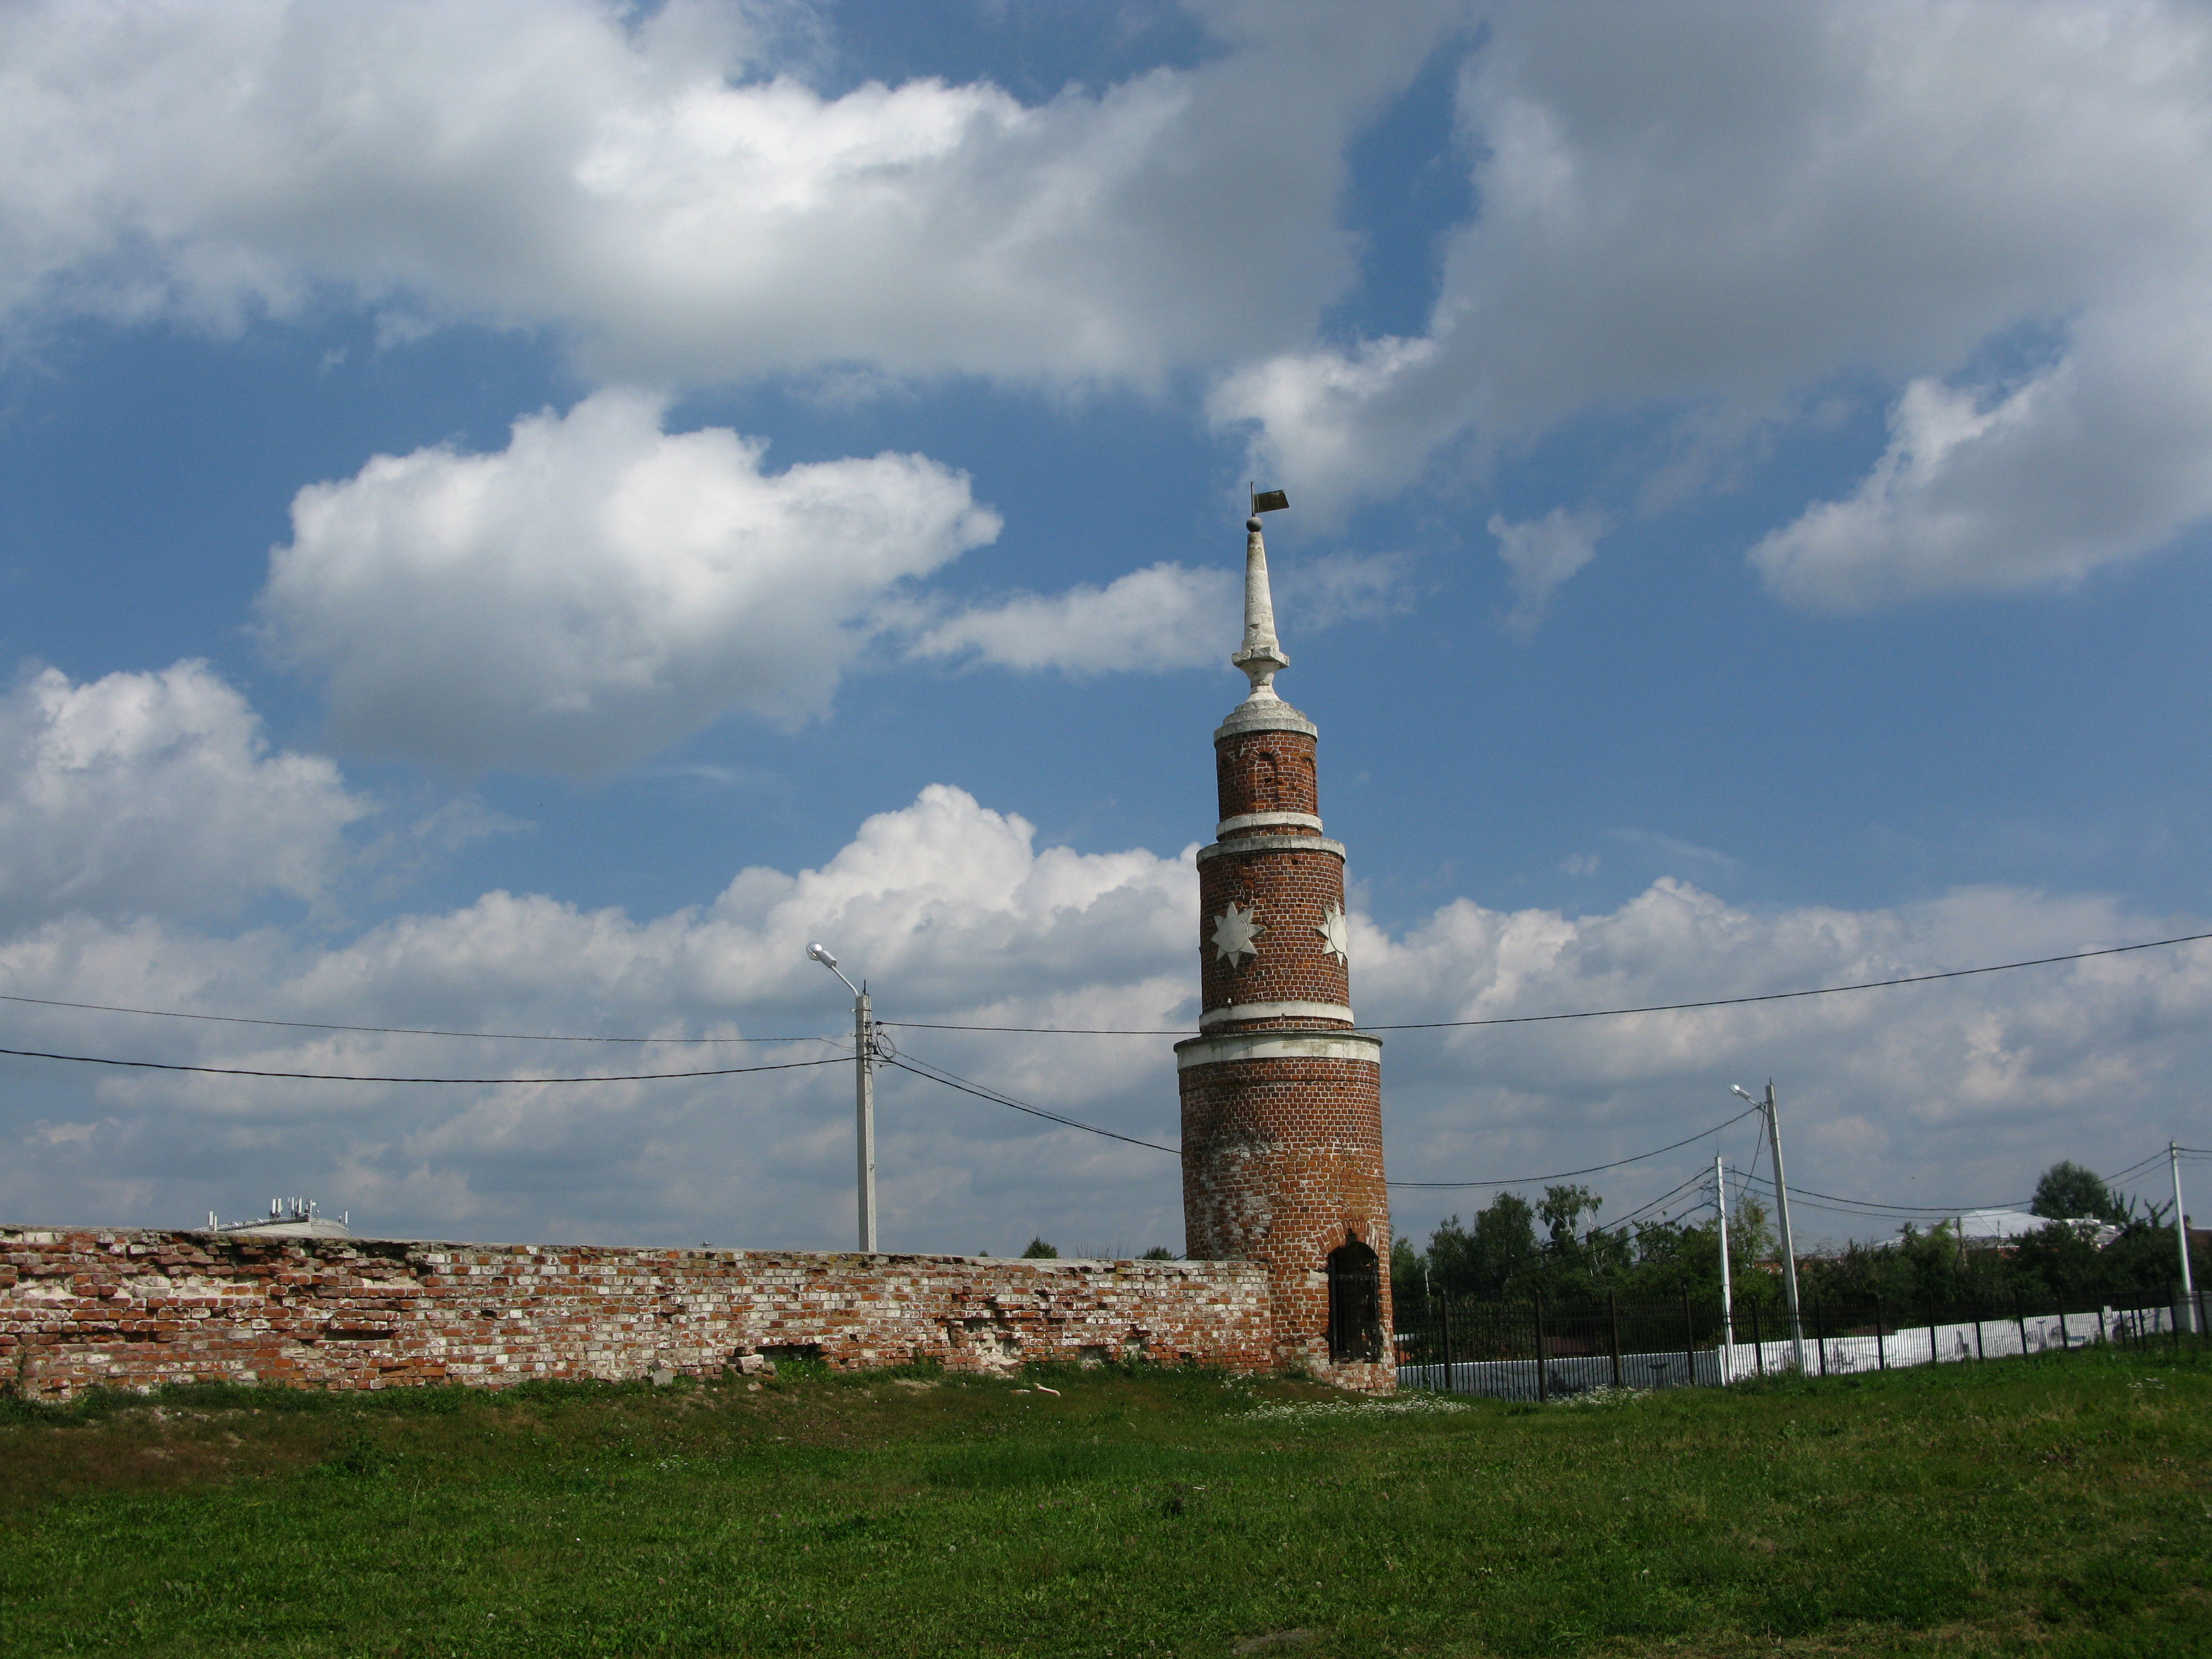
<point x="2058" y="1505"/>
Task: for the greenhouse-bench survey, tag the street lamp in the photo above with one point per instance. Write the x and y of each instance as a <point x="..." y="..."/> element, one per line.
<point x="863" y="1095"/>
<point x="1782" y="1214"/>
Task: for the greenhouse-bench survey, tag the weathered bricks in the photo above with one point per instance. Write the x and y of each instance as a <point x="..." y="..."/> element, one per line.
<point x="81" y="1308"/>
<point x="1282" y="1098"/>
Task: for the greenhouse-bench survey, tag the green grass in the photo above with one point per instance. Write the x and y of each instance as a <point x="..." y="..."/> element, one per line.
<point x="2059" y="1505"/>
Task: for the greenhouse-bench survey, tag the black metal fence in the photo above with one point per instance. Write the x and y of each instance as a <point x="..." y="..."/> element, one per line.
<point x="1535" y="1351"/>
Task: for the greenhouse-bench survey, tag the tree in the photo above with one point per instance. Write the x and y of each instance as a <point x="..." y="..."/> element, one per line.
<point x="1408" y="1272"/>
<point x="1040" y="1251"/>
<point x="1482" y="1260"/>
<point x="2067" y="1191"/>
<point x="1157" y="1253"/>
<point x="1562" y="1208"/>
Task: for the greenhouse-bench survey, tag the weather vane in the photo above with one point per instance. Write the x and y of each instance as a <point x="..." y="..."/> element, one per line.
<point x="1268" y="500"/>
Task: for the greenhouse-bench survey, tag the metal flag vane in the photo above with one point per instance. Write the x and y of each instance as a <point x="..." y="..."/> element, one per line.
<point x="1268" y="500"/>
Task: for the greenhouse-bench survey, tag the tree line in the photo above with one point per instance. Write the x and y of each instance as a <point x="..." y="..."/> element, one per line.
<point x="1513" y="1251"/>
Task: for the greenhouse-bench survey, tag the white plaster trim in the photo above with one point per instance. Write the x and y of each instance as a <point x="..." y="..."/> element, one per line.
<point x="1277" y="1045"/>
<point x="1245" y="844"/>
<point x="1272" y="716"/>
<point x="1275" y="1010"/>
<point x="1266" y="820"/>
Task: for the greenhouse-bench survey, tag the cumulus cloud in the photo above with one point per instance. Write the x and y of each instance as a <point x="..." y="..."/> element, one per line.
<point x="598" y="588"/>
<point x="1164" y="615"/>
<point x="1726" y="212"/>
<point x="674" y="195"/>
<point x="2101" y="456"/>
<point x="156" y="793"/>
<point x="1540" y="554"/>
<point x="1949" y="1093"/>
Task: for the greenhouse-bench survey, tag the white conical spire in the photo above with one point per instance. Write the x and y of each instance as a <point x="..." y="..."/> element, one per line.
<point x="1261" y="657"/>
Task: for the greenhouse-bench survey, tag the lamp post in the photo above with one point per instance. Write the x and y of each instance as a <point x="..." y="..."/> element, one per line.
<point x="2188" y="1320"/>
<point x="1727" y="1300"/>
<point x="863" y="1095"/>
<point x="1782" y="1215"/>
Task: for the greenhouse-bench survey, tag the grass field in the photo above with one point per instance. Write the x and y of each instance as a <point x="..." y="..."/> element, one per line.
<point x="2058" y="1505"/>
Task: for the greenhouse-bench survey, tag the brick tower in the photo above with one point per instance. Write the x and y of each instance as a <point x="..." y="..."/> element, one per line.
<point x="1282" y="1098"/>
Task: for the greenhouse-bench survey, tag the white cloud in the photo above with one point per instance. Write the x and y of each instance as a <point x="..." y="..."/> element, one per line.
<point x="1540" y="554"/>
<point x="1163" y="616"/>
<point x="597" y="588"/>
<point x="1960" y="1092"/>
<point x="1724" y="211"/>
<point x="2100" y="457"/>
<point x="156" y="793"/>
<point x="673" y="197"/>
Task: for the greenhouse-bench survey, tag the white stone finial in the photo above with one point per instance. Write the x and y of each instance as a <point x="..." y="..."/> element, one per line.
<point x="1262" y="657"/>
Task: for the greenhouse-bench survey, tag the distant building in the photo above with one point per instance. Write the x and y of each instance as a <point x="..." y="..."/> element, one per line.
<point x="287" y="1217"/>
<point x="2006" y="1227"/>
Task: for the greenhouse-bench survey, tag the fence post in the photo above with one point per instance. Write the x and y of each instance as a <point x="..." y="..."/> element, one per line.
<point x="2020" y="1320"/>
<point x="1689" y="1341"/>
<point x="1613" y="1325"/>
<point x="1820" y="1333"/>
<point x="2104" y="1341"/>
<point x="2065" y="1346"/>
<point x="1977" y="1303"/>
<point x="1443" y="1307"/>
<point x="1758" y="1347"/>
<point x="1881" y="1352"/>
<point x="1543" y="1384"/>
<point x="1935" y="1353"/>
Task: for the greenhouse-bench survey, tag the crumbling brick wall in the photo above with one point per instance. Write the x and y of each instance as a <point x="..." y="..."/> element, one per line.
<point x="81" y="1308"/>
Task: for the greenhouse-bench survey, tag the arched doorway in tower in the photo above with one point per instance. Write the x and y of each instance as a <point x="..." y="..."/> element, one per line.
<point x="1355" y="1302"/>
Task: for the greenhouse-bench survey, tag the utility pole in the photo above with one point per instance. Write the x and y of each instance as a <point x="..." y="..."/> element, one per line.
<point x="2188" y="1321"/>
<point x="864" y="1112"/>
<point x="1782" y="1215"/>
<point x="1727" y="1302"/>
<point x="863" y="1095"/>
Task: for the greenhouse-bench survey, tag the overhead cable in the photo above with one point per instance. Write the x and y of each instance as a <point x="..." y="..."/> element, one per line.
<point x="349" y="1077"/>
<point x="947" y="1080"/>
<point x="1614" y="1013"/>
<point x="1096" y="1030"/>
<point x="1522" y="1181"/>
<point x="381" y="1031"/>
<point x="1645" y="1209"/>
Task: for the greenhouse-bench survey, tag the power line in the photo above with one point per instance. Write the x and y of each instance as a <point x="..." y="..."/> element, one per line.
<point x="950" y="1080"/>
<point x="1895" y="1211"/>
<point x="1090" y="1031"/>
<point x="1608" y="1013"/>
<point x="1786" y="996"/>
<point x="347" y="1077"/>
<point x="1646" y="1209"/>
<point x="1519" y="1181"/>
<point x="380" y="1030"/>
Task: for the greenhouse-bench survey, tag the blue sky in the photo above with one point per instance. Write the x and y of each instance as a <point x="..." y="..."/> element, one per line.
<point x="515" y="517"/>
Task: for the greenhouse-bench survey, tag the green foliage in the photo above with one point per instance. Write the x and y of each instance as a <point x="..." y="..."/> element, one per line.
<point x="1159" y="1253"/>
<point x="1038" y="1250"/>
<point x="2047" y="1506"/>
<point x="2066" y="1190"/>
<point x="1502" y="1257"/>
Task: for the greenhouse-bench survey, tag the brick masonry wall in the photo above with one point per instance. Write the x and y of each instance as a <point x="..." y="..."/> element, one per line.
<point x="83" y="1307"/>
<point x="1266" y="772"/>
<point x="1289" y="891"/>
<point x="1282" y="1162"/>
<point x="1282" y="1152"/>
